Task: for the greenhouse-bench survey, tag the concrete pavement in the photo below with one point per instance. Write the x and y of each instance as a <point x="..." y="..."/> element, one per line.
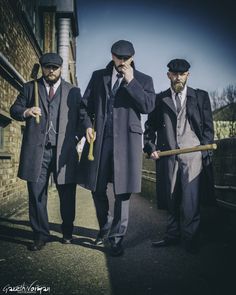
<point x="82" y="268"/>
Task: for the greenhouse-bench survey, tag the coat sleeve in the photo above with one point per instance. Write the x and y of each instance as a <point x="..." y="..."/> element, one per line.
<point x="207" y="124"/>
<point x="143" y="95"/>
<point x="150" y="133"/>
<point x="20" y="105"/>
<point x="78" y="98"/>
<point x="207" y="120"/>
<point x="87" y="108"/>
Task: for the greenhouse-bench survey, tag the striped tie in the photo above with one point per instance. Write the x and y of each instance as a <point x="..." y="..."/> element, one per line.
<point x="117" y="83"/>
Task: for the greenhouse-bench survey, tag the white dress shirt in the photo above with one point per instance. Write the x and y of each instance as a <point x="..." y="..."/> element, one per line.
<point x="55" y="86"/>
<point x="114" y="77"/>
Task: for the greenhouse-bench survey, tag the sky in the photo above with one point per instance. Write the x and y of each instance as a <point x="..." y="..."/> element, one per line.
<point x="203" y="32"/>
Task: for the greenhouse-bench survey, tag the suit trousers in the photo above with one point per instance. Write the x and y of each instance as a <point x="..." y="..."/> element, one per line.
<point x="117" y="226"/>
<point x="183" y="207"/>
<point x="38" y="194"/>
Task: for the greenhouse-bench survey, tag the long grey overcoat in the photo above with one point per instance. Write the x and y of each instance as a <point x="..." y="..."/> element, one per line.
<point x="130" y="101"/>
<point x="34" y="136"/>
<point x="160" y="134"/>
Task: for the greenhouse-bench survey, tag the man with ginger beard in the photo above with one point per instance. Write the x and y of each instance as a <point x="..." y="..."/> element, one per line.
<point x="182" y="118"/>
<point x="113" y="102"/>
<point x="49" y="147"/>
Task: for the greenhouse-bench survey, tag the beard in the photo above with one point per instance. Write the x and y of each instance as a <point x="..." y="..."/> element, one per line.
<point x="178" y="86"/>
<point x="119" y="69"/>
<point x="51" y="78"/>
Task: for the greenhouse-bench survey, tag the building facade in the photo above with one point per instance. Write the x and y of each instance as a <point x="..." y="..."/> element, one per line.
<point x="28" y="29"/>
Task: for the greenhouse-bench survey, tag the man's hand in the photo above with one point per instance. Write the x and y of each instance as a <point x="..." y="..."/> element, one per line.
<point x="90" y="134"/>
<point x="127" y="70"/>
<point x="155" y="155"/>
<point x="32" y="112"/>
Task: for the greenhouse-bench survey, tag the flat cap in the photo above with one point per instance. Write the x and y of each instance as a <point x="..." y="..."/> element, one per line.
<point x="178" y="65"/>
<point x="53" y="59"/>
<point x="123" y="48"/>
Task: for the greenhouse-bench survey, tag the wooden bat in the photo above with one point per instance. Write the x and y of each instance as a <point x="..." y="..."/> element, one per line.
<point x="188" y="150"/>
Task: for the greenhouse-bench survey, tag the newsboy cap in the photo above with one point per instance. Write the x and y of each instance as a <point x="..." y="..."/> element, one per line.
<point x="53" y="59"/>
<point x="178" y="65"/>
<point x="123" y="48"/>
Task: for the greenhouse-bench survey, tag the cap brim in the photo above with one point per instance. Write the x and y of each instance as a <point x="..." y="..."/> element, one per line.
<point x="51" y="64"/>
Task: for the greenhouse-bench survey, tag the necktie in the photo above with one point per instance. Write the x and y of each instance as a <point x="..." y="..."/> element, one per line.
<point x="117" y="83"/>
<point x="178" y="103"/>
<point x="51" y="92"/>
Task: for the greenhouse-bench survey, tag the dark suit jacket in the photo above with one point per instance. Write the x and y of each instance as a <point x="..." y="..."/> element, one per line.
<point x="34" y="136"/>
<point x="130" y="101"/>
<point x="158" y="135"/>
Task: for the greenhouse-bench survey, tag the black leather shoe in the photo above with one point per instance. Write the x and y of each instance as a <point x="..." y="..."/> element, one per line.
<point x="116" y="249"/>
<point x="101" y="238"/>
<point x="37" y="245"/>
<point x="165" y="242"/>
<point x="66" y="241"/>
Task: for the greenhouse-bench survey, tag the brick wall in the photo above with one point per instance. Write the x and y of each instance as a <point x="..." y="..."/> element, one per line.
<point x="19" y="51"/>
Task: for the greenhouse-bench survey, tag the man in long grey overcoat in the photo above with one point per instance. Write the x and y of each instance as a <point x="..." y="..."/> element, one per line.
<point x="49" y="146"/>
<point x="113" y="101"/>
<point x="182" y="118"/>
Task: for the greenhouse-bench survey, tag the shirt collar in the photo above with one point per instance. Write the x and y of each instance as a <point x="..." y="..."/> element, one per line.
<point x="114" y="77"/>
<point x="114" y="73"/>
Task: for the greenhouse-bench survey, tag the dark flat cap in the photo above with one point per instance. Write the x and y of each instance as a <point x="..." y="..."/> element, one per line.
<point x="178" y="65"/>
<point x="123" y="48"/>
<point x="53" y="59"/>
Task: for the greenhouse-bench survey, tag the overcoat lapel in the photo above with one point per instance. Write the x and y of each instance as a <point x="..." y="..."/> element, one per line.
<point x="191" y="103"/>
<point x="42" y="92"/>
<point x="169" y="101"/>
<point x="107" y="86"/>
<point x="63" y="109"/>
<point x="107" y="83"/>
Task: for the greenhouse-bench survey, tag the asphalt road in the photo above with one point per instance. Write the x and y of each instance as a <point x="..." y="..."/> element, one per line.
<point x="82" y="268"/>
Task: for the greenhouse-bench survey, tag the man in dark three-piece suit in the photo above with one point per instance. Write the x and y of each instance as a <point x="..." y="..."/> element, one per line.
<point x="182" y="118"/>
<point x="113" y="101"/>
<point x="49" y="146"/>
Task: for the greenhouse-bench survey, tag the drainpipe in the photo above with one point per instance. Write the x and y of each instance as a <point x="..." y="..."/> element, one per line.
<point x="63" y="45"/>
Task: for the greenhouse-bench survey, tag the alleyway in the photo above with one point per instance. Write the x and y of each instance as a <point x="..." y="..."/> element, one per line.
<point x="82" y="268"/>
